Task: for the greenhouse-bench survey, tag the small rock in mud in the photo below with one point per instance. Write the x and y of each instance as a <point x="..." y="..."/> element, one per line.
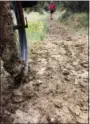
<point x="38" y="83"/>
<point x="52" y="120"/>
<point x="17" y="92"/>
<point x="67" y="78"/>
<point x="28" y="93"/>
<point x="75" y="63"/>
<point x="69" y="38"/>
<point x="17" y="96"/>
<point x="43" y="120"/>
<point x="66" y="72"/>
<point x="84" y="108"/>
<point x="85" y="79"/>
<point x="84" y="64"/>
<point x="18" y="99"/>
<point x="75" y="110"/>
<point x="57" y="103"/>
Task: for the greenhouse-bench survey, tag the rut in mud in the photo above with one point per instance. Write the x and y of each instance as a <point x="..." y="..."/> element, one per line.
<point x="57" y="90"/>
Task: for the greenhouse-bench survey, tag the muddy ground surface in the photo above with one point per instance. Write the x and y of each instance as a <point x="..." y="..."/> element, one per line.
<point x="57" y="90"/>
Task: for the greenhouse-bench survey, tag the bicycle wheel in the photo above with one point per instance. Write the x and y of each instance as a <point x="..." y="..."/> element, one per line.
<point x="21" y="32"/>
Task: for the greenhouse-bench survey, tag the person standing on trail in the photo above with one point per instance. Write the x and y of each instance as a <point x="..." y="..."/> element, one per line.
<point x="52" y="8"/>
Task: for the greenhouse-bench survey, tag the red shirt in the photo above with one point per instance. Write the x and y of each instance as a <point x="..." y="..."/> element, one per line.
<point x="52" y="7"/>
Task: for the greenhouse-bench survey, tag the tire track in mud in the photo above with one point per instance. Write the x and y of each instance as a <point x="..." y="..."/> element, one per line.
<point x="58" y="90"/>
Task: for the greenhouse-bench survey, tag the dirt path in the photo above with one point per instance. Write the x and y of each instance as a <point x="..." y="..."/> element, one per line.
<point x="58" y="86"/>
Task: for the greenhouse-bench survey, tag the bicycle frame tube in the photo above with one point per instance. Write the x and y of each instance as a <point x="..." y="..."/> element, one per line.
<point x="21" y="29"/>
<point x="20" y="10"/>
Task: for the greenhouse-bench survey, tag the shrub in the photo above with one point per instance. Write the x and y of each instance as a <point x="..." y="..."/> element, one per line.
<point x="37" y="30"/>
<point x="76" y="20"/>
<point x="64" y="16"/>
<point x="84" y="20"/>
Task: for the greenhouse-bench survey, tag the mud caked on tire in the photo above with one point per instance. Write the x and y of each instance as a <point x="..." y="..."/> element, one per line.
<point x="8" y="49"/>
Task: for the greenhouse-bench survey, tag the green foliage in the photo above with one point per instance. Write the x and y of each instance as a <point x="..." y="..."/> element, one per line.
<point x="84" y="20"/>
<point x="37" y="30"/>
<point x="46" y="6"/>
<point x="76" y="6"/>
<point x="27" y="10"/>
<point x="41" y="11"/>
<point x="75" y="20"/>
<point x="64" y="16"/>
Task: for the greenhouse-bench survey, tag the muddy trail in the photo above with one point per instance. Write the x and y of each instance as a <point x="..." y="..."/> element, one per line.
<point x="57" y="90"/>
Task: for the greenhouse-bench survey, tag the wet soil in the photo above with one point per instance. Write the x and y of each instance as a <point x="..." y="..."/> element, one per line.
<point x="57" y="86"/>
